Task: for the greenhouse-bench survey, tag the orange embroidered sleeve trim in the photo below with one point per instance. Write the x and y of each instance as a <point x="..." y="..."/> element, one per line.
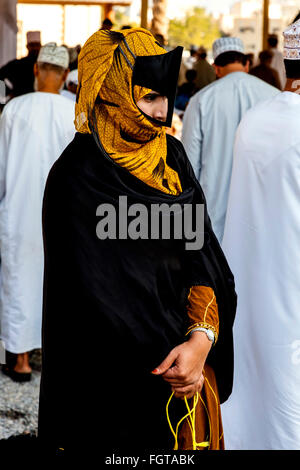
<point x="202" y="309"/>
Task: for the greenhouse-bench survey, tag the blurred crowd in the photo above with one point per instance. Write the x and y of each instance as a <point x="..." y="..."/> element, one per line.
<point x="197" y="72"/>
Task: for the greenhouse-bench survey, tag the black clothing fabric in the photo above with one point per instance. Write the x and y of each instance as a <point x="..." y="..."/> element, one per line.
<point x="114" y="309"/>
<point x="267" y="74"/>
<point x="20" y="73"/>
<point x="159" y="73"/>
<point x="184" y="93"/>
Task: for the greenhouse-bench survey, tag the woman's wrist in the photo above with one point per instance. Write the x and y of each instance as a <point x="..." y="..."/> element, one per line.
<point x="200" y="340"/>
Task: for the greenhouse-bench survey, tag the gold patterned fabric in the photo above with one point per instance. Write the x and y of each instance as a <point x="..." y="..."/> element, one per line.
<point x="106" y="100"/>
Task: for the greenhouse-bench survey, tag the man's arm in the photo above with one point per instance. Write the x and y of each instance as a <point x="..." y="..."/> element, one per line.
<point x="192" y="134"/>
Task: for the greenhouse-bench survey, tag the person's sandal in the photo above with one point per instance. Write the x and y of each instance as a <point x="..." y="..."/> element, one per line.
<point x="16" y="376"/>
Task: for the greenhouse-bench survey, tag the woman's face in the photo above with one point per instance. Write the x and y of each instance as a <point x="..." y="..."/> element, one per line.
<point x="154" y="105"/>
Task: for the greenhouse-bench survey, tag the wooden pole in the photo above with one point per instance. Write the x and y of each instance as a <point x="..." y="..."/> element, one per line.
<point x="109" y="12"/>
<point x="63" y="33"/>
<point x="159" y="26"/>
<point x="265" y="23"/>
<point x="144" y="14"/>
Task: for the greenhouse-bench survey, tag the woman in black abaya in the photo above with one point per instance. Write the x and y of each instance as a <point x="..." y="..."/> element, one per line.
<point x="129" y="323"/>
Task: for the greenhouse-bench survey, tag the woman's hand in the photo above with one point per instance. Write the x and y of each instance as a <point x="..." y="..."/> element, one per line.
<point x="183" y="366"/>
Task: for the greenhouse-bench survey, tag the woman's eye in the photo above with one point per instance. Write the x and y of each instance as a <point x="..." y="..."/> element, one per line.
<point x="150" y="97"/>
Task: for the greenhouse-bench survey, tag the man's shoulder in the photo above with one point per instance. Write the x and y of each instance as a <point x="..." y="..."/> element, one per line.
<point x="237" y="78"/>
<point x="287" y="102"/>
<point x="63" y="103"/>
<point x="55" y="97"/>
<point x="15" y="104"/>
<point x="270" y="129"/>
<point x="59" y="104"/>
<point x="252" y="86"/>
<point x="220" y="84"/>
<point x="38" y="98"/>
<point x="261" y="107"/>
<point x="278" y="111"/>
<point x="202" y="94"/>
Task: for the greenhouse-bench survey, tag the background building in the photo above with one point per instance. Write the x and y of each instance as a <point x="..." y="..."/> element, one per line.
<point x="245" y="20"/>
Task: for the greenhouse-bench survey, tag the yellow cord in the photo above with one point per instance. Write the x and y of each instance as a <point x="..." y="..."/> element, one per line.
<point x="209" y="443"/>
<point x="191" y="417"/>
<point x="216" y="399"/>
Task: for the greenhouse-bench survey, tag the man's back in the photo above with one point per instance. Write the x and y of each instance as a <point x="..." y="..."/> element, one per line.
<point x="210" y="123"/>
<point x="271" y="128"/>
<point x="261" y="242"/>
<point x="34" y="130"/>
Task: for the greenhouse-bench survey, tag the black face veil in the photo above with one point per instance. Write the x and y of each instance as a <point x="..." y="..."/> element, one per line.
<point x="159" y="73"/>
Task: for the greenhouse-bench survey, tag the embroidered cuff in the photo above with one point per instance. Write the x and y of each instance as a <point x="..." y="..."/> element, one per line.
<point x="203" y="325"/>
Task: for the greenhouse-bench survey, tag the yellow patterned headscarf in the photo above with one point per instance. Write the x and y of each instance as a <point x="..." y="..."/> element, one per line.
<point x="106" y="104"/>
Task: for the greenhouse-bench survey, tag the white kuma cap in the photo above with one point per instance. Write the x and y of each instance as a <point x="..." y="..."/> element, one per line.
<point x="227" y="44"/>
<point x="53" y="54"/>
<point x="292" y="42"/>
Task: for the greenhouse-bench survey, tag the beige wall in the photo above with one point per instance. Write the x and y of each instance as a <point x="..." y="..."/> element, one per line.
<point x="70" y="25"/>
<point x="250" y="31"/>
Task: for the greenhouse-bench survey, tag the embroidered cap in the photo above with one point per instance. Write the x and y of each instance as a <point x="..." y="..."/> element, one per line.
<point x="53" y="54"/>
<point x="292" y="42"/>
<point x="227" y="44"/>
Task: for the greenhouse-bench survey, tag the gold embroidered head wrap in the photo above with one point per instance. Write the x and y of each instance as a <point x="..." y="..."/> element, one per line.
<point x="106" y="104"/>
